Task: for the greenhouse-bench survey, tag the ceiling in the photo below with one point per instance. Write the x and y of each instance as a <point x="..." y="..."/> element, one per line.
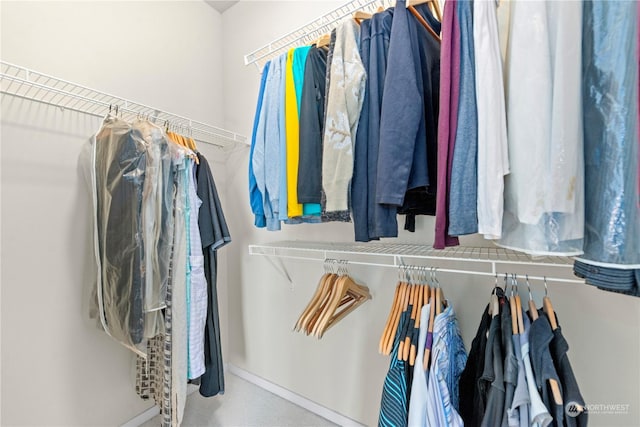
<point x="220" y="6"/>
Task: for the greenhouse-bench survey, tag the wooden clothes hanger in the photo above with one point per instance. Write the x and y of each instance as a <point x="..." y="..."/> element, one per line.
<point x="323" y="40"/>
<point x="434" y="5"/>
<point x="313" y="300"/>
<point x="402" y="307"/>
<point x="324" y="287"/>
<point x="394" y="313"/>
<point x="387" y="326"/>
<point x="513" y="306"/>
<point x="432" y="315"/>
<point x="548" y="307"/>
<point x="360" y="16"/>
<point x="312" y="317"/>
<point x="345" y="286"/>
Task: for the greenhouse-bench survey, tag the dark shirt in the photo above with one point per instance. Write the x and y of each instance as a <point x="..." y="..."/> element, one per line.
<point x="472" y="390"/>
<point x="214" y="234"/>
<point x="540" y="337"/>
<point x="510" y="368"/>
<point x="311" y="127"/>
<point x="559" y="348"/>
<point x="493" y="376"/>
<point x="407" y="168"/>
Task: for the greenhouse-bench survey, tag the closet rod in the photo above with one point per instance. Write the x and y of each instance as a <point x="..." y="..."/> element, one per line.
<point x="394" y="255"/>
<point x="308" y="32"/>
<point x="24" y="83"/>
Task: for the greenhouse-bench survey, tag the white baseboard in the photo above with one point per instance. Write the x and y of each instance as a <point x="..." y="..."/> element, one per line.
<point x="294" y="398"/>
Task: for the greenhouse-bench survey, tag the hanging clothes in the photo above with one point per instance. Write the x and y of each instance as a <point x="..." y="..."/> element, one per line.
<point x="118" y="166"/>
<point x="197" y="296"/>
<point x="292" y="130"/>
<point x="449" y="358"/>
<point x="612" y="217"/>
<point x="421" y="200"/>
<point x="394" y="403"/>
<point x="340" y="216"/>
<point x="472" y="391"/>
<point x="406" y="174"/>
<point x="463" y="197"/>
<point x="418" y="400"/>
<point x="371" y="220"/>
<point x="518" y="412"/>
<point x="214" y="234"/>
<point x="447" y="119"/>
<point x="544" y="193"/>
<point x="311" y="127"/>
<point x="153" y="276"/>
<point x="344" y="104"/>
<point x="493" y="151"/>
<point x="493" y="375"/>
<point x="571" y="392"/>
<point x="538" y="413"/>
<point x="255" y="197"/>
<point x="266" y="160"/>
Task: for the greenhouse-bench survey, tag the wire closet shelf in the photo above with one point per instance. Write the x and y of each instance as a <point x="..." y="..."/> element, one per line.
<point x="309" y="32"/>
<point x="480" y="261"/>
<point x="32" y="85"/>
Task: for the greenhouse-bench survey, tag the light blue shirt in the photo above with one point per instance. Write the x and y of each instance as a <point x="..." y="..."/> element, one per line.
<point x="266" y="155"/>
<point x="448" y="357"/>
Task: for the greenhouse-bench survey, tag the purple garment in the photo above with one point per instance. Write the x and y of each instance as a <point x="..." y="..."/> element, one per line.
<point x="429" y="343"/>
<point x="447" y="120"/>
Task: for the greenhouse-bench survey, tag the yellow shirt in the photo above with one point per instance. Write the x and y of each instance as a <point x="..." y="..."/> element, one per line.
<point x="292" y="126"/>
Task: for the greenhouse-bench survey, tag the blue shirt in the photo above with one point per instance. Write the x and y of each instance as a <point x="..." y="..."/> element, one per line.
<point x="463" y="196"/>
<point x="255" y="197"/>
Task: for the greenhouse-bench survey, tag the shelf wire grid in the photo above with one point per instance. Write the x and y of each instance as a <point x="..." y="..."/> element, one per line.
<point x="483" y="261"/>
<point x="35" y="86"/>
<point x="309" y="32"/>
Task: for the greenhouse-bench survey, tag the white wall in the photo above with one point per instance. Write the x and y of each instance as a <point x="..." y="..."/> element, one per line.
<point x="57" y="368"/>
<point x="343" y="371"/>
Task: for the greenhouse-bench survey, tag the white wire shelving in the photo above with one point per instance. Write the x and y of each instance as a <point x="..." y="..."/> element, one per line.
<point x="25" y="83"/>
<point x="310" y="31"/>
<point x="481" y="261"/>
